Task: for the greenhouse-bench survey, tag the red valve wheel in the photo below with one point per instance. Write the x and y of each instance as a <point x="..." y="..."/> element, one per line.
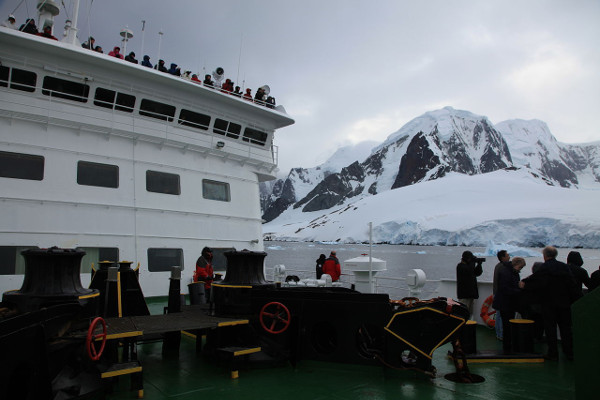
<point x="91" y="338"/>
<point x="275" y="317"/>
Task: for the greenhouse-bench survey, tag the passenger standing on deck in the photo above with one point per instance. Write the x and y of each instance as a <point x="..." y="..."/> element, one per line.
<point x="507" y="300"/>
<point x="467" y="272"/>
<point x="89" y="44"/>
<point x="331" y="266"/>
<point x="554" y="285"/>
<point x="116" y="52"/>
<point x="574" y="261"/>
<point x="10" y="22"/>
<point x="248" y="94"/>
<point x="594" y="280"/>
<point x="161" y="66"/>
<point x="503" y="257"/>
<point x="29" y="27"/>
<point x="146" y="61"/>
<point x="204" y="270"/>
<point x="208" y="82"/>
<point x="319" y="267"/>
<point x="131" y="58"/>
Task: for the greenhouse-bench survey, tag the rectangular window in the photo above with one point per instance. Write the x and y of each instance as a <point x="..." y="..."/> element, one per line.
<point x="93" y="255"/>
<point x="157" y="110"/>
<point x="21" y="166"/>
<point x="4" y="76"/>
<point x="162" y="182"/>
<point x="106" y="98"/>
<point x="12" y="261"/>
<point x="23" y="80"/>
<point x="227" y="128"/>
<point x="64" y="89"/>
<point x="94" y="174"/>
<point x="255" y="136"/>
<point x="193" y="119"/>
<point x="163" y="259"/>
<point x="214" y="190"/>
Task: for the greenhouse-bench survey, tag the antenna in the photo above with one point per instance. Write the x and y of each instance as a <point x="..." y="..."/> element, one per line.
<point x="143" y="35"/>
<point x="160" y="35"/>
<point x="237" y="78"/>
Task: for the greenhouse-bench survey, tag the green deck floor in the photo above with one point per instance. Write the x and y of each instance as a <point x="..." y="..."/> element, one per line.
<point x="190" y="377"/>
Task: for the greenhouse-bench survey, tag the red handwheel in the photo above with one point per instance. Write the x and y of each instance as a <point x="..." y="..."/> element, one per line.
<point x="274" y="317"/>
<point x="91" y="338"/>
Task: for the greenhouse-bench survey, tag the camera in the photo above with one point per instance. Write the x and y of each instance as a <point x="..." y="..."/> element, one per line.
<point x="479" y="259"/>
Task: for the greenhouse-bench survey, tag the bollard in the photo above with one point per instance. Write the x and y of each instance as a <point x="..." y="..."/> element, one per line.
<point x="522" y="335"/>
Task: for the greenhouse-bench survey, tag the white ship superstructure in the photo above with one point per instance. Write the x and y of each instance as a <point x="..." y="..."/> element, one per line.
<point x="125" y="162"/>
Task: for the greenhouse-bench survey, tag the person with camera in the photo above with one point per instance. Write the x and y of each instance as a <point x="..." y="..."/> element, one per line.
<point x="467" y="272"/>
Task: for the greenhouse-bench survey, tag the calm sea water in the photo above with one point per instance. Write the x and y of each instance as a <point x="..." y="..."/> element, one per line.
<point x="437" y="262"/>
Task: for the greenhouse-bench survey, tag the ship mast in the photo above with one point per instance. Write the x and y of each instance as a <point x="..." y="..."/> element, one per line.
<point x="71" y="28"/>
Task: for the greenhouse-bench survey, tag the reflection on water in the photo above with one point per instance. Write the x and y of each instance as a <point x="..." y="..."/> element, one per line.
<point x="437" y="262"/>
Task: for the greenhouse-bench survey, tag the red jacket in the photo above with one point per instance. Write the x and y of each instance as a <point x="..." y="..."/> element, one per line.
<point x="332" y="267"/>
<point x="204" y="272"/>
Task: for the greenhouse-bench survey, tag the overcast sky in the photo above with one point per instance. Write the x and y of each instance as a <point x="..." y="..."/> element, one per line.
<point x="349" y="71"/>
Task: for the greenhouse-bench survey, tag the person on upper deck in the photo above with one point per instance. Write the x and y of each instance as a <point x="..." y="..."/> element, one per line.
<point x="227" y="86"/>
<point x="98" y="49"/>
<point x="248" y="94"/>
<point x="594" y="279"/>
<point x="131" y="58"/>
<point x="89" y="44"/>
<point x="29" y="27"/>
<point x="173" y="70"/>
<point x="260" y="96"/>
<point x="10" y="22"/>
<point x="161" y="66"/>
<point x="116" y="52"/>
<point x="575" y="262"/>
<point x="208" y="82"/>
<point x="146" y="61"/>
<point x="195" y="79"/>
<point x="331" y="266"/>
<point x="270" y="102"/>
<point x="238" y="91"/>
<point x="47" y="33"/>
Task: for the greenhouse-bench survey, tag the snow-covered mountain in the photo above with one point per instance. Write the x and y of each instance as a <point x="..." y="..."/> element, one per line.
<point x="436" y="145"/>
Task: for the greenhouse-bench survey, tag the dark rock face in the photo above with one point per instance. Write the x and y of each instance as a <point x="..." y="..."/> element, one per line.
<point x="429" y="148"/>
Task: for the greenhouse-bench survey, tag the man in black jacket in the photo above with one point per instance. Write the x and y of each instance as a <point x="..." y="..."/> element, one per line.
<point x="554" y="285"/>
<point x="467" y="272"/>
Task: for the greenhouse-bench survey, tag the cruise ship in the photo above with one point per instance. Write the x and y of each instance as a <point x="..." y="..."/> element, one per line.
<point x="123" y="161"/>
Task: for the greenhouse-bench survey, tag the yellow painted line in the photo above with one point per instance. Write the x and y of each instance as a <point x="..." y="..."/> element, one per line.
<point x="430" y="355"/>
<point x="504" y="360"/>
<point x="124" y="335"/>
<point x="247" y="351"/>
<point x="231" y="286"/>
<point x="120" y="372"/>
<point x="231" y="323"/>
<point x="188" y="334"/>
<point x="89" y="296"/>
<point x="120" y="307"/>
<point x="521" y="321"/>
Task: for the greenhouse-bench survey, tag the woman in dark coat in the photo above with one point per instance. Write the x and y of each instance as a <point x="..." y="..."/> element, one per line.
<point x="508" y="297"/>
<point x="319" y="267"/>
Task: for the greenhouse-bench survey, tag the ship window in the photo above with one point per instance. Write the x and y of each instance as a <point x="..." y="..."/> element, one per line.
<point x="21" y="166"/>
<point x="12" y="261"/>
<point x="230" y="129"/>
<point x="163" y="259"/>
<point x="162" y="182"/>
<point x="157" y="110"/>
<point x="193" y="119"/>
<point x="23" y="80"/>
<point x="94" y="174"/>
<point x="254" y="136"/>
<point x="4" y="76"/>
<point x="106" y="98"/>
<point x="93" y="255"/>
<point x="64" y="89"/>
<point x="214" y="190"/>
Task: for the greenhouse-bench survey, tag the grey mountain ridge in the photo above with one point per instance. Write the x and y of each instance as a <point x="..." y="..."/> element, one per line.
<point x="428" y="148"/>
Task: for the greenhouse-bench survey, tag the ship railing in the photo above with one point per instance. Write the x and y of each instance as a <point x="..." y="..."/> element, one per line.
<point x="396" y="288"/>
<point x="126" y="119"/>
